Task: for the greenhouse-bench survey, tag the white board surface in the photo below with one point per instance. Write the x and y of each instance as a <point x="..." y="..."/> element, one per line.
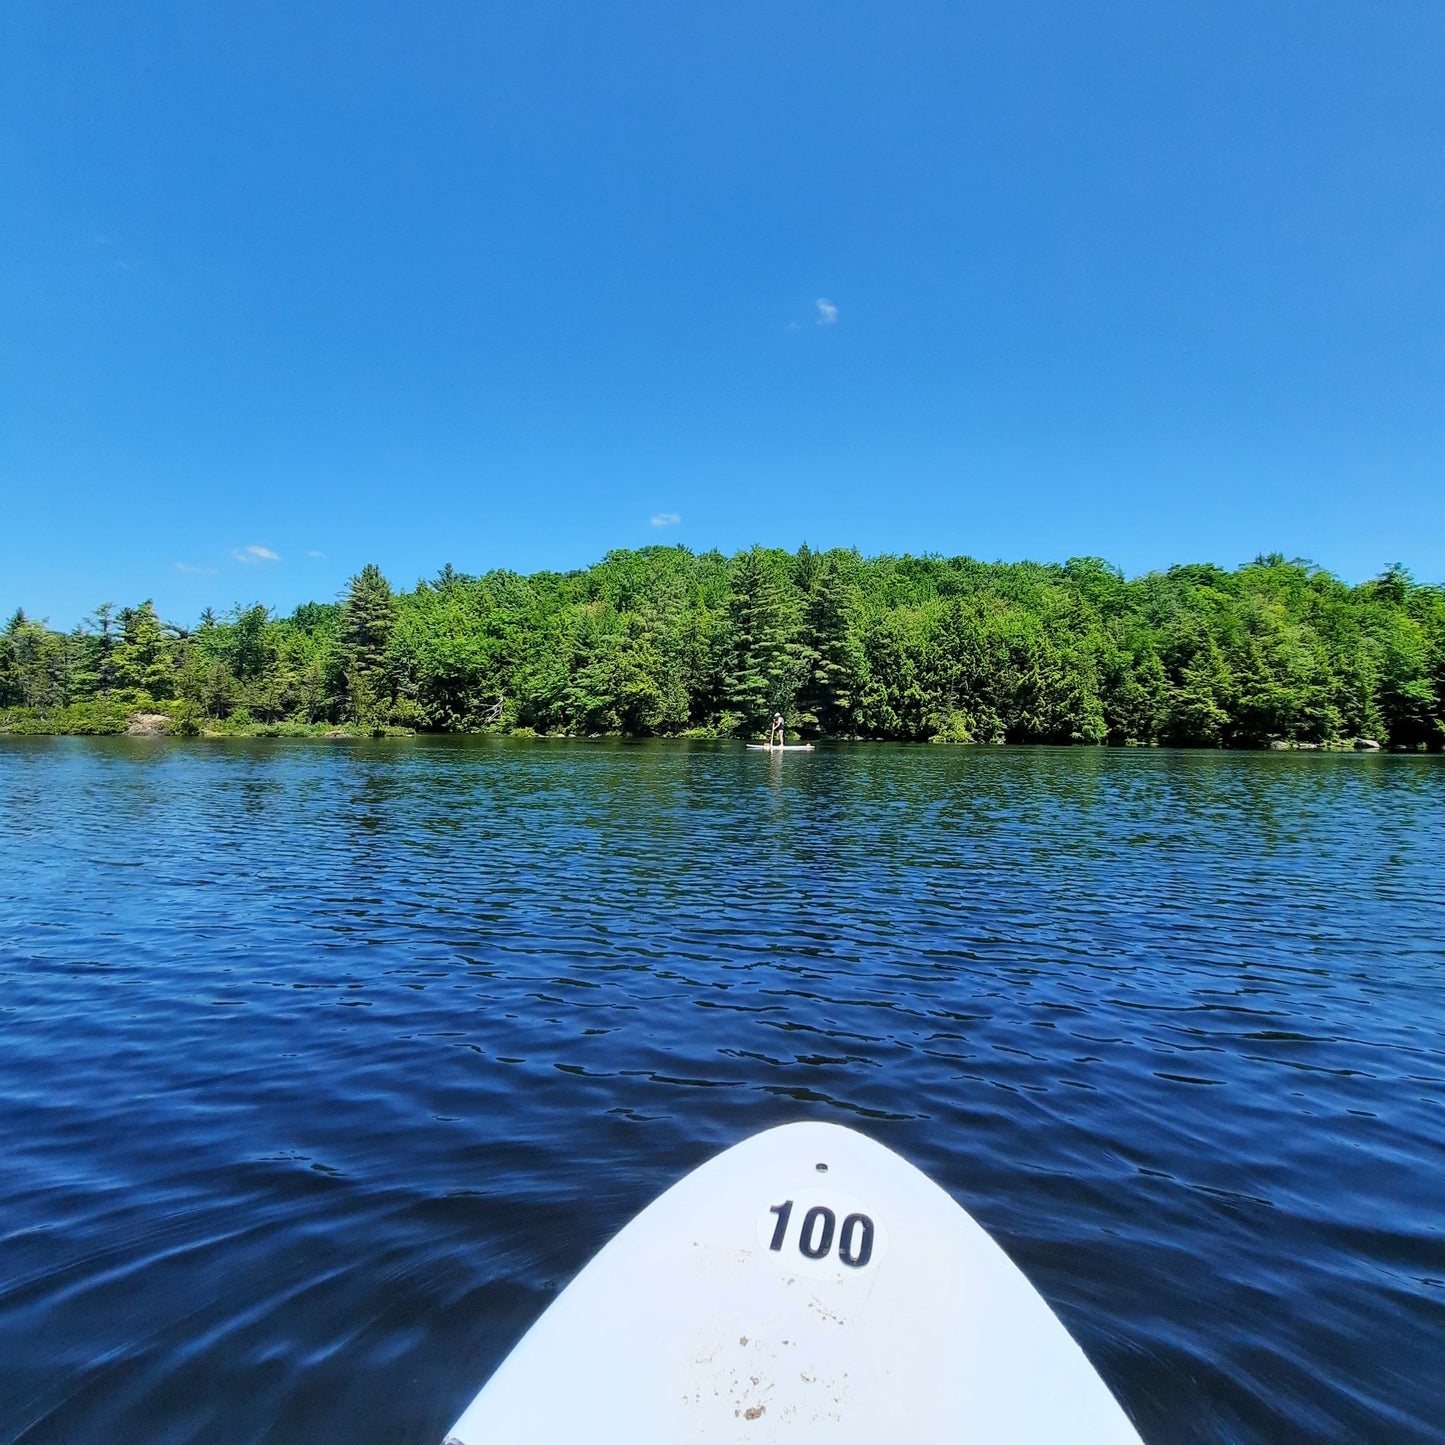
<point x="763" y="1299"/>
<point x="780" y="747"/>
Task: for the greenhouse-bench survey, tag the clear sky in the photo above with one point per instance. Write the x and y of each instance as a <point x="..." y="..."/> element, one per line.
<point x="289" y="287"/>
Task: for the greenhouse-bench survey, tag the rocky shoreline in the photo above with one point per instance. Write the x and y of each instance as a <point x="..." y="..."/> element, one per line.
<point x="18" y="722"/>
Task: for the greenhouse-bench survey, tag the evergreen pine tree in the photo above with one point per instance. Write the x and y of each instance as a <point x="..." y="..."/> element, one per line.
<point x="831" y="654"/>
<point x="368" y="619"/>
<point x="142" y="659"/>
<point x="767" y="661"/>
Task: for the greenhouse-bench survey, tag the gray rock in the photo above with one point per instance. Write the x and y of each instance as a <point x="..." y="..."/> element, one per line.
<point x="1366" y="745"/>
<point x="1278" y="745"/>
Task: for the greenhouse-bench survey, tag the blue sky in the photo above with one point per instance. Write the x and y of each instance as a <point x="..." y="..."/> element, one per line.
<point x="285" y="288"/>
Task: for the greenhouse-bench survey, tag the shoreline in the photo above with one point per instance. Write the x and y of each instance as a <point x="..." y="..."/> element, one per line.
<point x="138" y="723"/>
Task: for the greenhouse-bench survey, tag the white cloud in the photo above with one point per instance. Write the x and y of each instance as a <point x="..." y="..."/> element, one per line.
<point x="322" y="555"/>
<point x="827" y="311"/>
<point x="196" y="571"/>
<point x="253" y="554"/>
<point x="666" y="519"/>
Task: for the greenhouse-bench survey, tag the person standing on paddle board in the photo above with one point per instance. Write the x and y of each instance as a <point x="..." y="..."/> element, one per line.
<point x="777" y="730"/>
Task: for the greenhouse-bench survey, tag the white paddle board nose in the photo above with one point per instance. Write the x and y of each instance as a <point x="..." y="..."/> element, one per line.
<point x="806" y="1285"/>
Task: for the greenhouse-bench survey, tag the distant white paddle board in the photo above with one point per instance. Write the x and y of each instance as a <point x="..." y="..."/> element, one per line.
<point x="807" y="1285"/>
<point x="781" y="747"/>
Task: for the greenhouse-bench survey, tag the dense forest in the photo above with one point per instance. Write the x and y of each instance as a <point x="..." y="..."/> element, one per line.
<point x="666" y="642"/>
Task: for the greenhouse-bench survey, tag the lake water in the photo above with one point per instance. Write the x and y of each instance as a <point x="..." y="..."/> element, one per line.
<point x="324" y="1066"/>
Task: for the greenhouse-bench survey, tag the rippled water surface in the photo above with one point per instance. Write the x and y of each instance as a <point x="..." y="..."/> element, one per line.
<point x="323" y="1067"/>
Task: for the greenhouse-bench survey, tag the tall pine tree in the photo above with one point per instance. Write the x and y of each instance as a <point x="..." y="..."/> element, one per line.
<point x="832" y="656"/>
<point x="767" y="662"/>
<point x="368" y="619"/>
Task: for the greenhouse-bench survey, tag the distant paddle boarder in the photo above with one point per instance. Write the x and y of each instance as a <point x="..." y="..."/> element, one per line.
<point x="777" y="730"/>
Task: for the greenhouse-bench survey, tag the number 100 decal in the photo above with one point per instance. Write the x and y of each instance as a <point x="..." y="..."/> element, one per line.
<point x="820" y="1231"/>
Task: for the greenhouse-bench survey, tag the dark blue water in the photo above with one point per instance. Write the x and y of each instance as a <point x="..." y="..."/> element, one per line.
<point x="323" y="1067"/>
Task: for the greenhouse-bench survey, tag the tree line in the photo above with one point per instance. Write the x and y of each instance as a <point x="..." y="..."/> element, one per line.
<point x="663" y="641"/>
